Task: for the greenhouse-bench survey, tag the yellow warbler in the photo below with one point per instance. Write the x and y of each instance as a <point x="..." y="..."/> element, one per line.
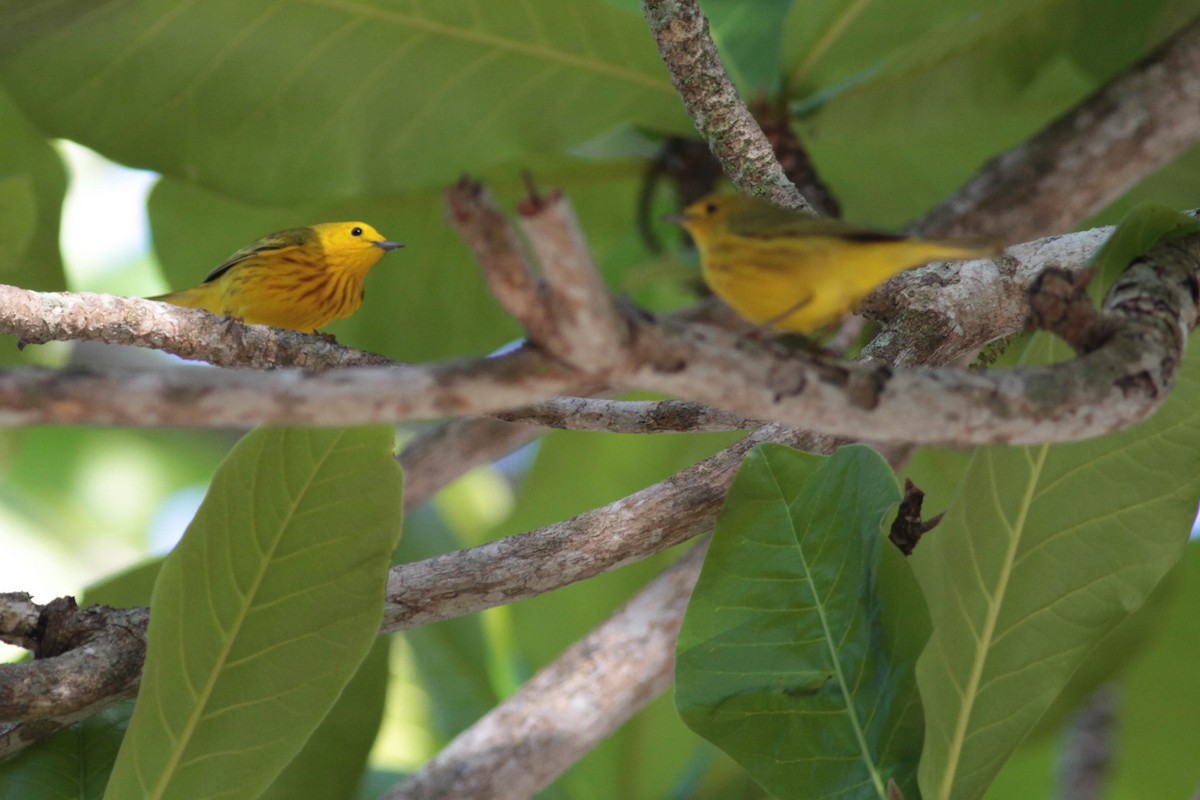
<point x="301" y="278"/>
<point x="800" y="273"/>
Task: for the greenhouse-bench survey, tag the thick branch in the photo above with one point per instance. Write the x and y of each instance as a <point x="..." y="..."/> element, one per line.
<point x="521" y="745"/>
<point x="588" y="325"/>
<point x="1100" y="392"/>
<point x="473" y="214"/>
<point x="1088" y="157"/>
<point x="734" y="137"/>
<point x="84" y="659"/>
<point x="624" y="531"/>
<point x="935" y="314"/>
<point x="39" y="317"/>
<point x="629" y="416"/>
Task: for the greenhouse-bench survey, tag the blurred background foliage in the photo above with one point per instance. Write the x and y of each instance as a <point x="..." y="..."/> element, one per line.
<point x="246" y="116"/>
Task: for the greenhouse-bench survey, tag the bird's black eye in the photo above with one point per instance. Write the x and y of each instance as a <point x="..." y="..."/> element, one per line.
<point x="356" y="231"/>
<point x="711" y="208"/>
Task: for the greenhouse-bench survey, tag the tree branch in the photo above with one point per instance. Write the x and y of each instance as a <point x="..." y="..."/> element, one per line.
<point x="935" y="314"/>
<point x="627" y="530"/>
<point x="1100" y="392"/>
<point x="39" y="317"/>
<point x="629" y="416"/>
<point x="84" y="660"/>
<point x="711" y="100"/>
<point x="1089" y="156"/>
<point x="522" y="744"/>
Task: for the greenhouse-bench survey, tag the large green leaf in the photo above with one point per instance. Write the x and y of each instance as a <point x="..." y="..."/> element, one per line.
<point x="566" y="479"/>
<point x="1045" y="551"/>
<point x="955" y="81"/>
<point x="749" y="37"/>
<point x="34" y="183"/>
<point x="18" y="220"/>
<point x="73" y="764"/>
<point x="334" y="759"/>
<point x="451" y="657"/>
<point x="1157" y="726"/>
<point x="1141" y="229"/>
<point x="280" y="102"/>
<point x="263" y="612"/>
<point x="790" y="657"/>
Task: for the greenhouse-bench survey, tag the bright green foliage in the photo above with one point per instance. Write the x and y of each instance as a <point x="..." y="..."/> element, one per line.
<point x="451" y="656"/>
<point x="577" y="471"/>
<point x="32" y="186"/>
<point x="74" y="764"/>
<point x="342" y="99"/>
<point x="331" y="765"/>
<point x="1140" y="230"/>
<point x="332" y="761"/>
<point x="266" y="115"/>
<point x="749" y="37"/>
<point x="956" y="82"/>
<point x="18" y="220"/>
<point x="1157" y="726"/>
<point x="788" y="658"/>
<point x="1044" y="551"/>
<point x="263" y="612"/>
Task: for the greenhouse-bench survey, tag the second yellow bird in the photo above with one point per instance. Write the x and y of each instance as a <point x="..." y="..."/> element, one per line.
<point x="800" y="273"/>
<point x="301" y="278"/>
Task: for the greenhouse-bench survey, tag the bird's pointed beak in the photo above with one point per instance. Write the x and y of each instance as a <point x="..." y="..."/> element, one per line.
<point x="678" y="217"/>
<point x="385" y="246"/>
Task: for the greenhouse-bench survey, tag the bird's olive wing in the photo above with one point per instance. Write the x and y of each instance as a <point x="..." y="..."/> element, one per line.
<point x="769" y="222"/>
<point x="291" y="239"/>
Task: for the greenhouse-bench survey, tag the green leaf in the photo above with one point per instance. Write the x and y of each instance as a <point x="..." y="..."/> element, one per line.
<point x="749" y="38"/>
<point x="1140" y="230"/>
<point x="73" y="764"/>
<point x="451" y="657"/>
<point x="565" y="481"/>
<point x="332" y="763"/>
<point x="128" y="588"/>
<point x="287" y="102"/>
<point x="263" y="612"/>
<point x="18" y="220"/>
<point x="787" y="659"/>
<point x="1043" y="553"/>
<point x="1156" y="727"/>
<point x="957" y="82"/>
<point x="333" y="759"/>
<point x="33" y="182"/>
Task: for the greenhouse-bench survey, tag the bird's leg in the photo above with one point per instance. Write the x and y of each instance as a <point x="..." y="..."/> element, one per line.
<point x="766" y="329"/>
<point x="328" y="337"/>
<point x="235" y="327"/>
<point x="778" y="318"/>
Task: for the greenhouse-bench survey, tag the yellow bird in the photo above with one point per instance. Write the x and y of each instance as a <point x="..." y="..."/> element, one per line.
<point x="301" y="279"/>
<point x="795" y="272"/>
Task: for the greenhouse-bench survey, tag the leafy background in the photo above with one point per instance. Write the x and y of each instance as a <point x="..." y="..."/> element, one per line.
<point x="260" y="115"/>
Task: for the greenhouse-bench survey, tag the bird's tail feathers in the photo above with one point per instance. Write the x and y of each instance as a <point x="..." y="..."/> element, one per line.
<point x="969" y="247"/>
<point x="197" y="297"/>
